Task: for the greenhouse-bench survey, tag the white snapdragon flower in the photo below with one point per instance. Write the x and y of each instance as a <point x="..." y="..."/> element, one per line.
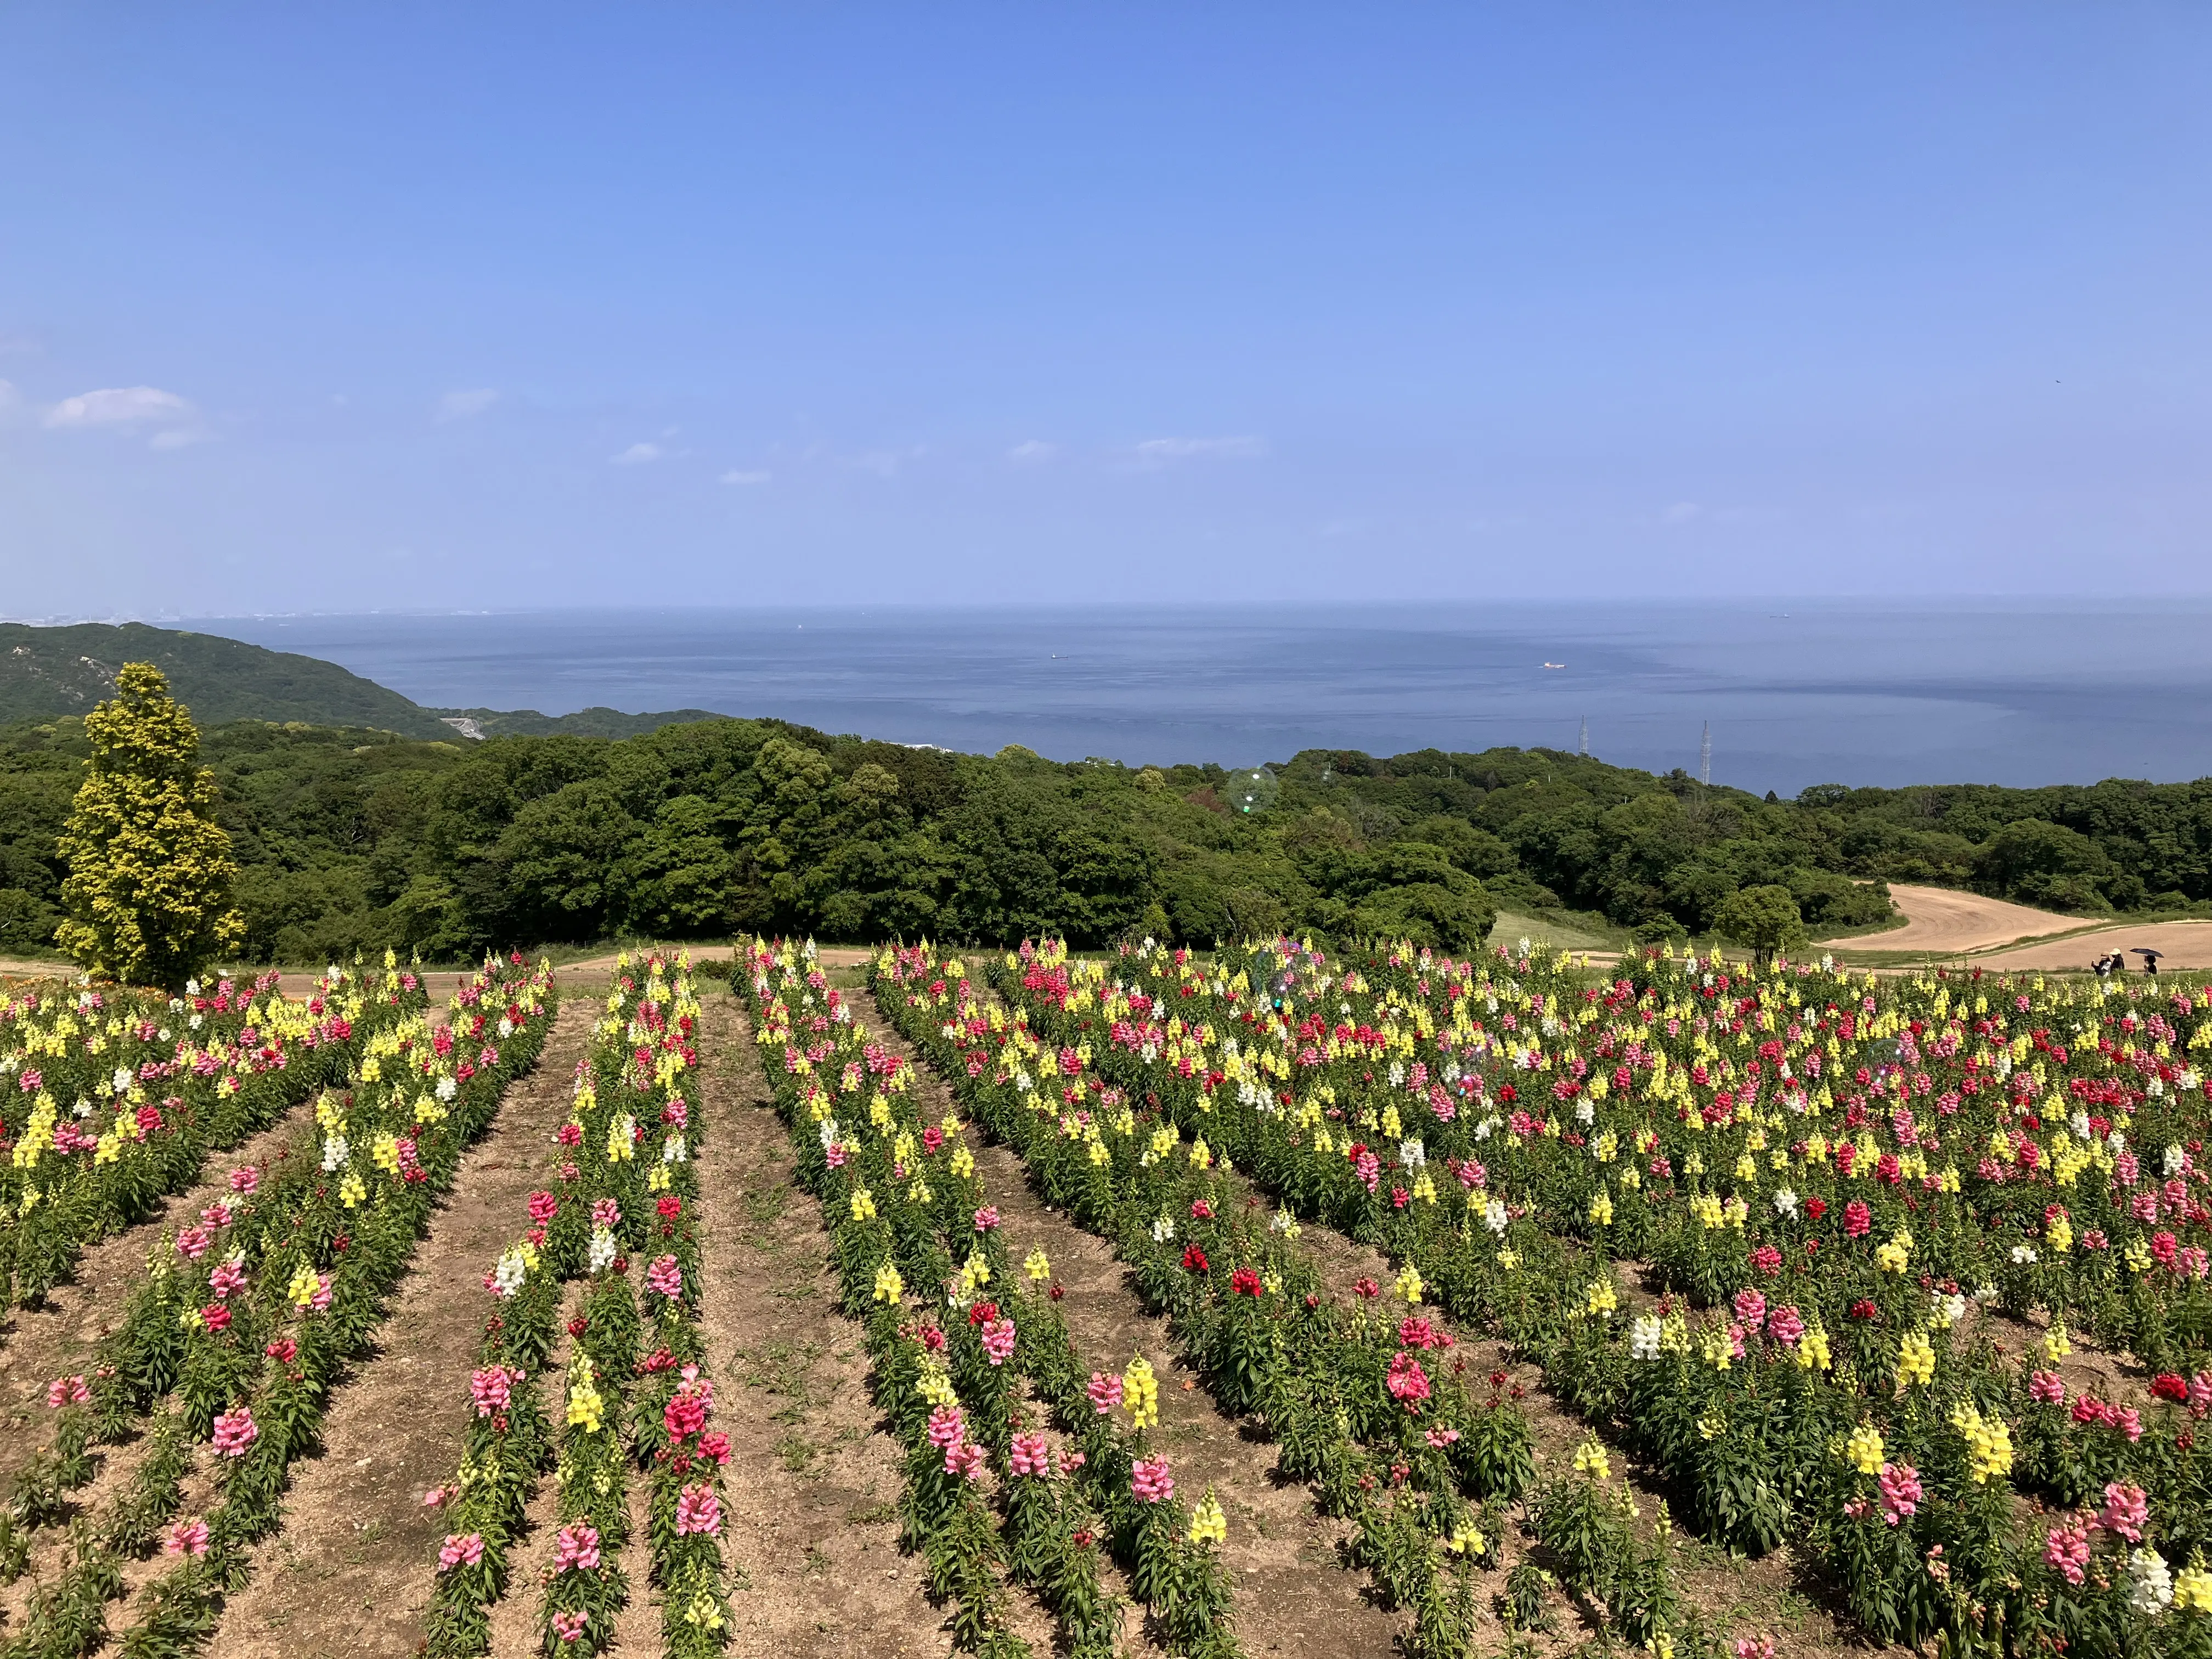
<point x="602" y="1251"/>
<point x="507" y="1278"/>
<point x="2150" y="1582"/>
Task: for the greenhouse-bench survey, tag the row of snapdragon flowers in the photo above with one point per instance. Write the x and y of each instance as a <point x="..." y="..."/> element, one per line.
<point x="117" y="1097"/>
<point x="1373" y="1406"/>
<point x="246" y="1319"/>
<point x="636" y="1400"/>
<point x="65" y="1198"/>
<point x="1752" y="1450"/>
<point x="954" y="1333"/>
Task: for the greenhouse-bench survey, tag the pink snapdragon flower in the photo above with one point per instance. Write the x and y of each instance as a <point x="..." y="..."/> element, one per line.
<point x="492" y="1389"/>
<point x="185" y="1538"/>
<point x="576" y="1547"/>
<point x="234" y="1432"/>
<point x="2067" y="1548"/>
<point x="460" y="1549"/>
<point x="1150" y="1481"/>
<point x="947" y="1427"/>
<point x="1901" y="1491"/>
<point x="698" y="1512"/>
<point x="2127" y="1510"/>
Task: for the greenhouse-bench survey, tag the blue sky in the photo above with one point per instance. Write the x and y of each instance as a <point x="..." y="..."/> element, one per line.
<point x="347" y="306"/>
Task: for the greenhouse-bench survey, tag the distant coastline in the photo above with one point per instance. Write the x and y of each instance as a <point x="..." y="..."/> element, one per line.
<point x="2016" y="692"/>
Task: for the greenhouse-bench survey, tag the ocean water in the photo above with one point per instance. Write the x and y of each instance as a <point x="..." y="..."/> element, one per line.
<point x="1795" y="692"/>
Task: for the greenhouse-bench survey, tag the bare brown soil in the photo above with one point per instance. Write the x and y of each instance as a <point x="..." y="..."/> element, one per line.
<point x="1941" y="921"/>
<point x="813" y="1478"/>
<point x="349" y="1576"/>
<point x="2185" y="945"/>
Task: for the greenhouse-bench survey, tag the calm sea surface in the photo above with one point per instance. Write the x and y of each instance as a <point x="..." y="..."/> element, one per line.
<point x="1797" y="692"/>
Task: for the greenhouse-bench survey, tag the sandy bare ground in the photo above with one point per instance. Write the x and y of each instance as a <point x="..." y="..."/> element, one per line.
<point x="2186" y="944"/>
<point x="1943" y="922"/>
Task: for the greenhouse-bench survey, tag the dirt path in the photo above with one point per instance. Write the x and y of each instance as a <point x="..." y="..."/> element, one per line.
<point x="349" y="1576"/>
<point x="2185" y="945"/>
<point x="61" y="1335"/>
<point x="813" y="1534"/>
<point x="1941" y="921"/>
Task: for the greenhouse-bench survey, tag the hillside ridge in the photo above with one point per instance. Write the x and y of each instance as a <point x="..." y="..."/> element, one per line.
<point x="52" y="671"/>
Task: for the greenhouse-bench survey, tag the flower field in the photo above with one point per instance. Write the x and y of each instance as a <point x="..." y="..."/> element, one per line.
<point x="1675" y="1308"/>
<point x="1852" y="1265"/>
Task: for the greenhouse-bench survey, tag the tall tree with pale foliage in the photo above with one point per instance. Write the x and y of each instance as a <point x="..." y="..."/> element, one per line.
<point x="149" y="869"/>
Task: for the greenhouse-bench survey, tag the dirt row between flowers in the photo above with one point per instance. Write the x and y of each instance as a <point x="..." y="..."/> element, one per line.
<point x="810" y="1527"/>
<point x="61" y="1334"/>
<point x="349" y="1573"/>
<point x="1748" y="1596"/>
<point x="1293" y="1596"/>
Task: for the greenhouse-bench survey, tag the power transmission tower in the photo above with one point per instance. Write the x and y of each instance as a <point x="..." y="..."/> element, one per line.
<point x="1585" y="748"/>
<point x="1705" y="754"/>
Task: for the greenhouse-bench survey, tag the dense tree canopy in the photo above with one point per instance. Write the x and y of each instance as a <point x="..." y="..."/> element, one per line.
<point x="356" y="838"/>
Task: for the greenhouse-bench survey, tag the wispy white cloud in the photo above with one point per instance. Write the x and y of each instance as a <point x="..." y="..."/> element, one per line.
<point x="1032" y="451"/>
<point x="740" y="476"/>
<point x="132" y="409"/>
<point x="1184" y="449"/>
<point x="462" y="405"/>
<point x="637" y="455"/>
<point x="123" y="406"/>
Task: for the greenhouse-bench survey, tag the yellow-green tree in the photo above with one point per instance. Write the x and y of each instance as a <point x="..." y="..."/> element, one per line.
<point x="149" y="886"/>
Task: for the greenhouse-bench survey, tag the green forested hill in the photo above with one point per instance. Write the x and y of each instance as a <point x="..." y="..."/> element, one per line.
<point x="47" y="673"/>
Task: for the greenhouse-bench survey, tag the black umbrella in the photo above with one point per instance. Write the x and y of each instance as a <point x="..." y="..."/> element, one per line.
<point x="2153" y="955"/>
